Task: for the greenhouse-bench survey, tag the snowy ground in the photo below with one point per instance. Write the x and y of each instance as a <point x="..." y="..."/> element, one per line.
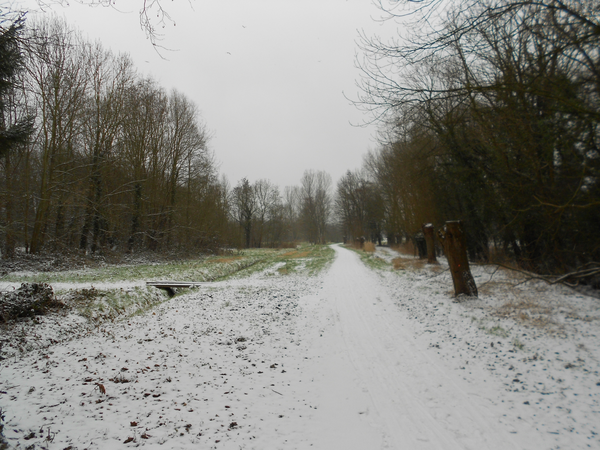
<point x="350" y="359"/>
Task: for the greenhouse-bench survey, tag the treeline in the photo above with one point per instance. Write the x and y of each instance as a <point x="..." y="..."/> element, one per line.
<point x="110" y="160"/>
<point x="490" y="117"/>
<point x="265" y="218"/>
<point x="95" y="157"/>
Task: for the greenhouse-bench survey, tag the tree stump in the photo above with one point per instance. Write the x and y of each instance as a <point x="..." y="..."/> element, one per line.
<point x="430" y="242"/>
<point x="453" y="240"/>
<point x="420" y="245"/>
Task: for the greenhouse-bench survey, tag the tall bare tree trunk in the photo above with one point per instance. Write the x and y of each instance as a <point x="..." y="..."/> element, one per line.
<point x="9" y="243"/>
<point x="428" y="232"/>
<point x="41" y="216"/>
<point x="135" y="219"/>
<point x="97" y="186"/>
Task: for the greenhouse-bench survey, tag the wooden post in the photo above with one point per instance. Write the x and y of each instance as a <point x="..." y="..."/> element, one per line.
<point x="453" y="239"/>
<point x="430" y="242"/>
<point x="420" y="245"/>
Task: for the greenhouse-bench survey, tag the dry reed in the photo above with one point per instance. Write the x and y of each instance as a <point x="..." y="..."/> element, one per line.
<point x="406" y="248"/>
<point x="369" y="247"/>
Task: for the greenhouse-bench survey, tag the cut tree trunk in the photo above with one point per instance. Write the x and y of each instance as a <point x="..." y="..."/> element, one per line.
<point x="420" y="245"/>
<point x="453" y="239"/>
<point x="430" y="242"/>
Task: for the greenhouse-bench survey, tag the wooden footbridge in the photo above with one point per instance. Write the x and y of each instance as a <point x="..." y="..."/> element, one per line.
<point x="171" y="286"/>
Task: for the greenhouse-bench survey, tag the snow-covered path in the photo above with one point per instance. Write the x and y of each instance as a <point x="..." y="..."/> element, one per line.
<point x="351" y="359"/>
<point x="411" y="400"/>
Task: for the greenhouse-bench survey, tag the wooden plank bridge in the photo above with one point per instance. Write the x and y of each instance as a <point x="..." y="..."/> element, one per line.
<point x="171" y="286"/>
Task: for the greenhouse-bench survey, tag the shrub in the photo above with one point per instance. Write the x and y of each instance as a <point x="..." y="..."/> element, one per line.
<point x="31" y="299"/>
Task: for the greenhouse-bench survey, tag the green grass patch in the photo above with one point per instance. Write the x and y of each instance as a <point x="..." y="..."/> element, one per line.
<point x="308" y="259"/>
<point x="494" y="331"/>
<point x="320" y="257"/>
<point x="371" y="260"/>
<point x="110" y="304"/>
<point x="205" y="268"/>
<point x="498" y="331"/>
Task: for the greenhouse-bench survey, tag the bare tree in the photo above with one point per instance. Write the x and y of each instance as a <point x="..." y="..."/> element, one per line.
<point x="243" y="208"/>
<point x="359" y="207"/>
<point x="110" y="79"/>
<point x="292" y="209"/>
<point x="115" y="160"/>
<point x="152" y="14"/>
<point x="316" y="204"/>
<point x="186" y="141"/>
<point x="267" y="200"/>
<point x="501" y="102"/>
<point x="58" y="82"/>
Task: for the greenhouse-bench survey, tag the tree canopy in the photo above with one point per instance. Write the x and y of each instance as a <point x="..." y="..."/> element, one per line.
<point x="489" y="114"/>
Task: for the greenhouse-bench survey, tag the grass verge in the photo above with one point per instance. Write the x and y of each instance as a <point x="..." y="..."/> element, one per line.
<point x="204" y="268"/>
<point x="370" y="259"/>
<point x="110" y="303"/>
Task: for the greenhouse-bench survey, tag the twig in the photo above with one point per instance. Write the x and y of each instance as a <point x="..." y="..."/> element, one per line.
<point x="551" y="279"/>
<point x="491" y="276"/>
<point x="439" y="273"/>
<point x="580" y="274"/>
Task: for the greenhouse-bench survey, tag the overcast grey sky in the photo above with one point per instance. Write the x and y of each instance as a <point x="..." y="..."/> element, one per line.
<point x="267" y="75"/>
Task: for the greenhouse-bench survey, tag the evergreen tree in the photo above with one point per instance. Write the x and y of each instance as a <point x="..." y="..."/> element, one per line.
<point x="11" y="58"/>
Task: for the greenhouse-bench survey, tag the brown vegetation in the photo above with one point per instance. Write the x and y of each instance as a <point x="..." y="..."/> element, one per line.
<point x="398" y="263"/>
<point x="406" y="248"/>
<point x="411" y="264"/>
<point x="369" y="247"/>
<point x="297" y="254"/>
<point x="224" y="260"/>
